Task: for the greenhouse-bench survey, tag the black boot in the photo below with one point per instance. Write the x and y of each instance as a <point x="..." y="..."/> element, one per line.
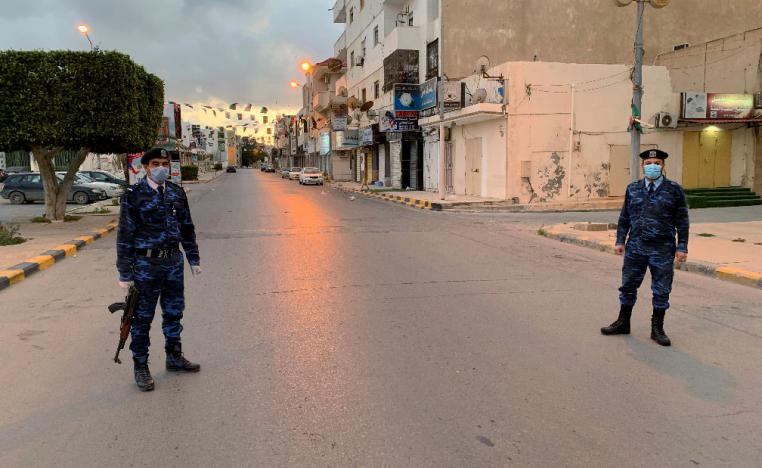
<point x="176" y="362"/>
<point x="622" y="324"/>
<point x="143" y="377"/>
<point x="657" y="328"/>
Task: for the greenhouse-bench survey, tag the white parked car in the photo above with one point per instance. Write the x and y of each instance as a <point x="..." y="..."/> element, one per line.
<point x="112" y="190"/>
<point x="293" y="173"/>
<point x="311" y="175"/>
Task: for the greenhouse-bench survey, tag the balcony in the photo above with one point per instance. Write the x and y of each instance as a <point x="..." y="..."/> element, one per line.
<point x="321" y="101"/>
<point x="340" y="48"/>
<point x="340" y="11"/>
<point x="402" y="37"/>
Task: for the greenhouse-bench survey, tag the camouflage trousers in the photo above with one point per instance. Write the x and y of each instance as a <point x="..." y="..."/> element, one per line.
<point x="157" y="280"/>
<point x="661" y="263"/>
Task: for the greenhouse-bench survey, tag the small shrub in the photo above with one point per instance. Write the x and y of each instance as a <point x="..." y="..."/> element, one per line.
<point x="706" y="234"/>
<point x="70" y="218"/>
<point x="9" y="235"/>
<point x="189" y="172"/>
<point x="40" y="219"/>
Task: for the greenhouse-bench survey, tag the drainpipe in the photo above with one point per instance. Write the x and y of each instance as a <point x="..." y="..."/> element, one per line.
<point x="571" y="143"/>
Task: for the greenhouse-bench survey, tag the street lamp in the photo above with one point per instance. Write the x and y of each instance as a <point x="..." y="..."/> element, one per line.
<point x="306" y="66"/>
<point x="294" y="84"/>
<point x="84" y="30"/>
<point x="637" y="81"/>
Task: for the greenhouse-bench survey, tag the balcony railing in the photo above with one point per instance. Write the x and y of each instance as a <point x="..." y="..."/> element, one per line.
<point x="340" y="11"/>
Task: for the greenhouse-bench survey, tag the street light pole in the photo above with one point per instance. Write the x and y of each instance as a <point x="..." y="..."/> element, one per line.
<point x="637" y="93"/>
<point x="84" y="30"/>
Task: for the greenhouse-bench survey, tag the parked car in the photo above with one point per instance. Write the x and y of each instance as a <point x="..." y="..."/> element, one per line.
<point x="311" y="175"/>
<point x="231" y="169"/>
<point x="27" y="187"/>
<point x="269" y="168"/>
<point x="103" y="176"/>
<point x="284" y="173"/>
<point x="262" y="166"/>
<point x="293" y="173"/>
<point x="112" y="190"/>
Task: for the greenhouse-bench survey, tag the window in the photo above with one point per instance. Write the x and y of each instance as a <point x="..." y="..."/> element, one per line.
<point x="264" y="119"/>
<point x="362" y="48"/>
<point x="364" y="95"/>
<point x="432" y="59"/>
<point x="362" y="4"/>
<point x="351" y="15"/>
<point x="410" y="19"/>
<point x="376" y="89"/>
<point x="375" y="36"/>
<point x="269" y="131"/>
<point x="352" y="59"/>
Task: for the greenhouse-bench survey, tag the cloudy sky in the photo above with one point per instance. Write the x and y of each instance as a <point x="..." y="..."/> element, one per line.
<point x="206" y="51"/>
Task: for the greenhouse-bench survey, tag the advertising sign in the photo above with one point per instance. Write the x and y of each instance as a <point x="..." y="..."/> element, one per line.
<point x="429" y="94"/>
<point x="366" y="136"/>
<point x="715" y="106"/>
<point x="325" y="143"/>
<point x="346" y="140"/>
<point x="339" y="123"/>
<point x="136" y="168"/>
<point x="174" y="168"/>
<point x="403" y="121"/>
<point x="452" y="94"/>
<point x="407" y="97"/>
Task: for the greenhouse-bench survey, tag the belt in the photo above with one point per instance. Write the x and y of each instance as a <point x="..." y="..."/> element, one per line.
<point x="157" y="253"/>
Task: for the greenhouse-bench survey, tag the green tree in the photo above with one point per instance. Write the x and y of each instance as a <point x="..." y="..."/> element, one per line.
<point x="96" y="101"/>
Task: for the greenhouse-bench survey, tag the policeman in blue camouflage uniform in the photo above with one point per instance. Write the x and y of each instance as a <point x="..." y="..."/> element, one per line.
<point x="154" y="220"/>
<point x="654" y="211"/>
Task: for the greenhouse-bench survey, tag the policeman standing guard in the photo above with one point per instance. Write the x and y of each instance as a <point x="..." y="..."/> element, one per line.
<point x="154" y="220"/>
<point x="654" y="211"/>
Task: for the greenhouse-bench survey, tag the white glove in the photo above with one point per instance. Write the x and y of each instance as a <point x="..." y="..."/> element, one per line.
<point x="195" y="270"/>
<point x="126" y="284"/>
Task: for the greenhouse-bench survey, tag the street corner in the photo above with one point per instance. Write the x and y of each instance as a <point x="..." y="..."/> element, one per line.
<point x="599" y="236"/>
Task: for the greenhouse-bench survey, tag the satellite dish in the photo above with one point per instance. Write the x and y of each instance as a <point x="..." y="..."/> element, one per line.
<point x="482" y="63"/>
<point x="479" y="96"/>
<point x="366" y="106"/>
<point x="622" y="3"/>
<point x="659" y="3"/>
<point x="353" y="102"/>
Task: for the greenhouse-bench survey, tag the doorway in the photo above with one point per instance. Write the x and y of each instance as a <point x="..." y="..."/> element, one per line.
<point x="474" y="167"/>
<point x="706" y="159"/>
<point x="619" y="167"/>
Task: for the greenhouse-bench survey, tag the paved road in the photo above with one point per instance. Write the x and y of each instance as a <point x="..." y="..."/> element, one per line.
<point x="359" y="333"/>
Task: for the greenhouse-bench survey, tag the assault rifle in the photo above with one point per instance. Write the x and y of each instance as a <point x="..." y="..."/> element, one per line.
<point x="128" y="306"/>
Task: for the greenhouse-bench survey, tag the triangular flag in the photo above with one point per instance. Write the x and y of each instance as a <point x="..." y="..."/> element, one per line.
<point x="233" y="106"/>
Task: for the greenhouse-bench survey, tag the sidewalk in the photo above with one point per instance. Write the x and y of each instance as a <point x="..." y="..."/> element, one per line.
<point x="204" y="177"/>
<point x="465" y="203"/>
<point x="730" y="251"/>
<point x="48" y="243"/>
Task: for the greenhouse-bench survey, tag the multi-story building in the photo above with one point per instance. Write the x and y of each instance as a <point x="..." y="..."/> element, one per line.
<point x="385" y="43"/>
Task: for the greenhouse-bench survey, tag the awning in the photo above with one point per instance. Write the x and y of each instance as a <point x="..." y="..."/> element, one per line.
<point x="468" y="115"/>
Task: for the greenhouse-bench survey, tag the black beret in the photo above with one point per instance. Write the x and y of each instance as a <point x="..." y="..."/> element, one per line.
<point x="154" y="153"/>
<point x="654" y="153"/>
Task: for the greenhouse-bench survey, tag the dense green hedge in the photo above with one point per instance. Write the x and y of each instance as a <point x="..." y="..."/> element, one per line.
<point x="189" y="172"/>
<point x="102" y="101"/>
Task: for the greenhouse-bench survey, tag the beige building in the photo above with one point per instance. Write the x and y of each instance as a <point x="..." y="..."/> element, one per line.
<point x="579" y="31"/>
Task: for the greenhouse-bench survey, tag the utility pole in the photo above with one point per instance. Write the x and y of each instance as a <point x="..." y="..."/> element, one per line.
<point x="637" y="93"/>
<point x="637" y="81"/>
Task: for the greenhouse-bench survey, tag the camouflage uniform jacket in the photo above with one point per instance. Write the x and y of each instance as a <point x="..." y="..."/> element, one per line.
<point x="147" y="222"/>
<point x="654" y="220"/>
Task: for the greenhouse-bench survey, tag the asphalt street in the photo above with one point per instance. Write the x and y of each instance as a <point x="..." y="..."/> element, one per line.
<point x="340" y="332"/>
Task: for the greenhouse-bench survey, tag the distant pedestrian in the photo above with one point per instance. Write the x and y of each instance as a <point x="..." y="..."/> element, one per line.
<point x="154" y="221"/>
<point x="654" y="212"/>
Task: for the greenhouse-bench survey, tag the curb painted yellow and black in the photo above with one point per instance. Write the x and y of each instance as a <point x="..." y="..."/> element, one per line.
<point x="401" y="199"/>
<point x="45" y="260"/>
<point x="725" y="273"/>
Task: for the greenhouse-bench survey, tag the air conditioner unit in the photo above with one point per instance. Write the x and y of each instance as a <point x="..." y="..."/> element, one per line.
<point x="758" y="100"/>
<point x="666" y="120"/>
